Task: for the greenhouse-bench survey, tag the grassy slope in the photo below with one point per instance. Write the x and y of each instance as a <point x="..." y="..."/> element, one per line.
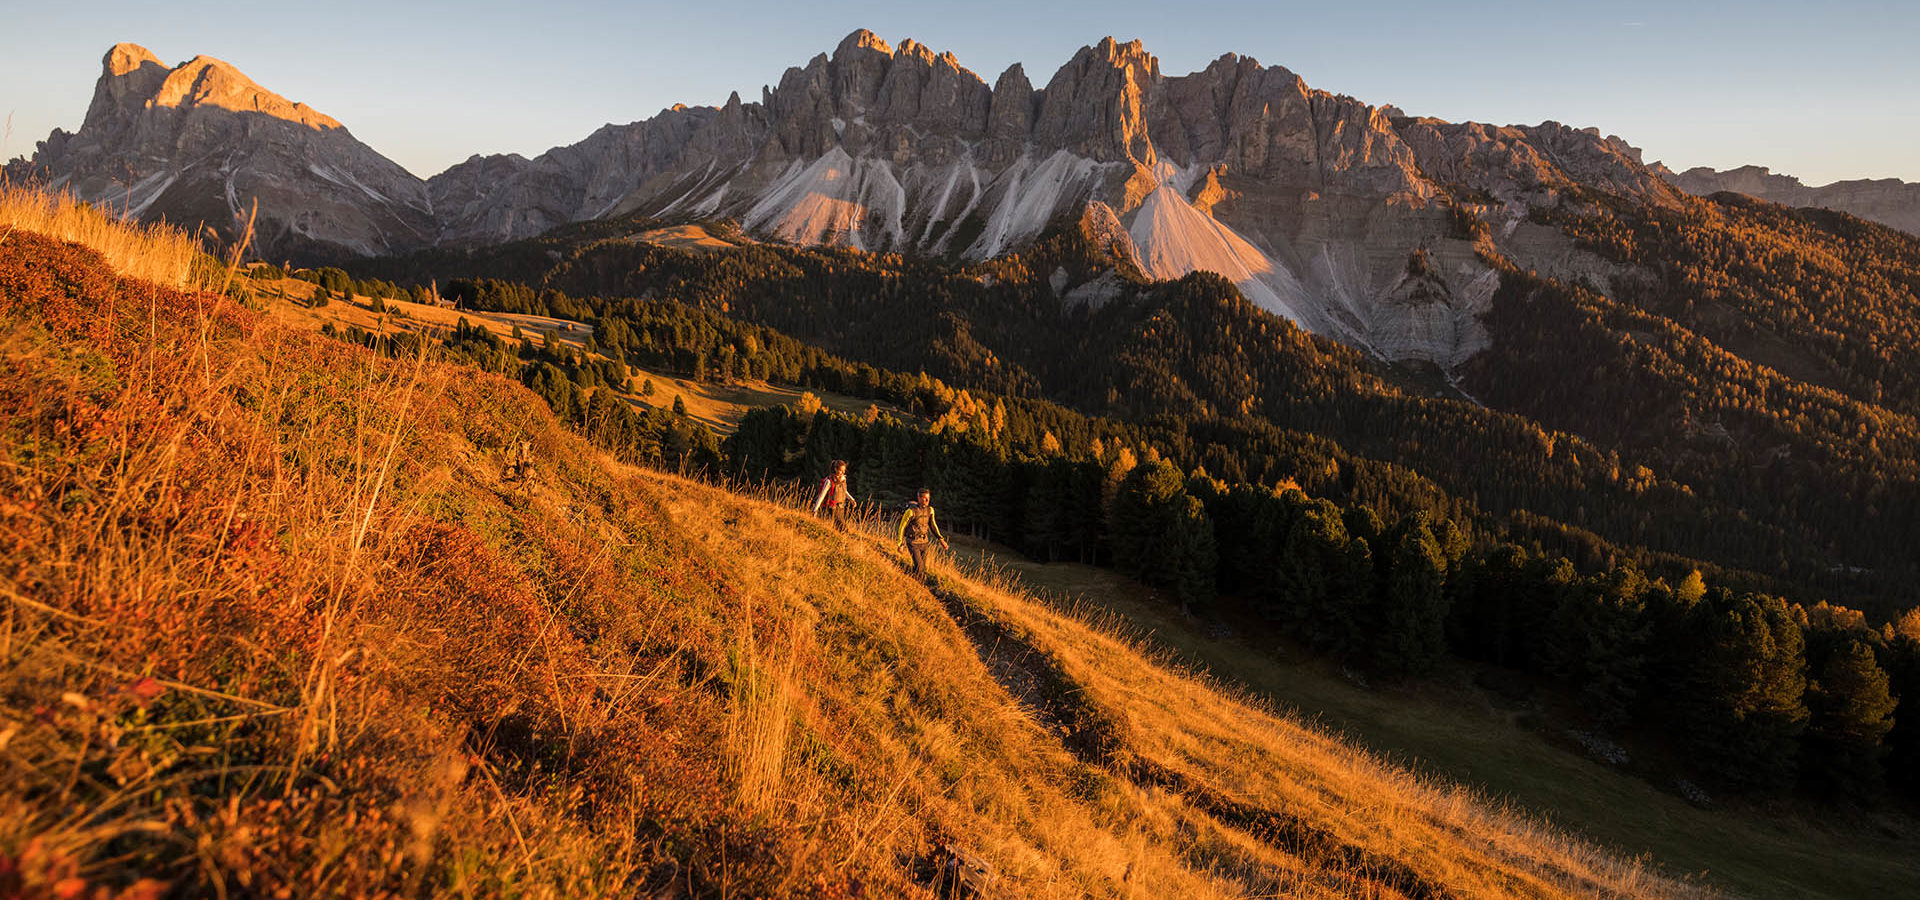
<point x="274" y="624"/>
<point x="1464" y="734"/>
<point x="719" y="406"/>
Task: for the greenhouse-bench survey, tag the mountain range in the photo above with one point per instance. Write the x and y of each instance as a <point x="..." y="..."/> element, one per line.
<point x="1341" y="216"/>
<point x="1338" y="215"/>
<point x="202" y="144"/>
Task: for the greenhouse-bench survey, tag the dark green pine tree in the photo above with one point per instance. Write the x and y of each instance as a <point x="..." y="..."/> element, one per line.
<point x="971" y="473"/>
<point x="832" y="437"/>
<point x="1596" y="641"/>
<point x="1323" y="578"/>
<point x="894" y="466"/>
<point x="552" y="384"/>
<point x="1743" y="706"/>
<point x="1188" y="554"/>
<point x="1136" y="521"/>
<point x="1243" y="527"/>
<point x="1410" y="627"/>
<point x="759" y="446"/>
<point x="1086" y="517"/>
<point x="1161" y="534"/>
<point x="1850" y="711"/>
<point x="1049" y="508"/>
<point x="1500" y="601"/>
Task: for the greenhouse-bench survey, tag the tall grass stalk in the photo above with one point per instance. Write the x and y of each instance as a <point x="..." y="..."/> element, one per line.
<point x="761" y="722"/>
<point x="319" y="700"/>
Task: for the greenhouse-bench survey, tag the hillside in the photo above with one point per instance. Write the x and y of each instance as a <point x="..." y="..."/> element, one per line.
<point x="276" y="624"/>
<point x="1509" y="737"/>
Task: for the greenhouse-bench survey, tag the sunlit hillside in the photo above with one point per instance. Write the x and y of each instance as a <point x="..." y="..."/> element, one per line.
<point x="278" y="623"/>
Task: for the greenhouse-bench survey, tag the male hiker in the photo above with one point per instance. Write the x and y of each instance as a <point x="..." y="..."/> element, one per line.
<point x="520" y="462"/>
<point x="917" y="526"/>
<point x="834" y="495"/>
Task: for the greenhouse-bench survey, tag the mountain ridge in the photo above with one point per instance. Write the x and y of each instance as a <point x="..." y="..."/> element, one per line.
<point x="1312" y="201"/>
<point x="1888" y="201"/>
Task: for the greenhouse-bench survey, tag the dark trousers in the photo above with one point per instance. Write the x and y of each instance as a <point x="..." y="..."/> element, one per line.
<point x="839" y="514"/>
<point x="919" y="554"/>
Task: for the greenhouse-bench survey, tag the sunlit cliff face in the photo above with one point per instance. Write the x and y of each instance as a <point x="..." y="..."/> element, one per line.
<point x="135" y="79"/>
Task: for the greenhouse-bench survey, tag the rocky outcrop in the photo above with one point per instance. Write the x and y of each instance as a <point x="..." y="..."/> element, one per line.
<point x="1095" y="106"/>
<point x="1888" y="201"/>
<point x="1530" y="165"/>
<point x="493" y="199"/>
<point x="202" y="143"/>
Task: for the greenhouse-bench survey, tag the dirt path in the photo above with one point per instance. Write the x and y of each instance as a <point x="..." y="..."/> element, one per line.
<point x="1061" y="708"/>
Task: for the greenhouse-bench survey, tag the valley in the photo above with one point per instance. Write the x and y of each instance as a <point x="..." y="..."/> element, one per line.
<point x="718" y="406"/>
<point x="1345" y="502"/>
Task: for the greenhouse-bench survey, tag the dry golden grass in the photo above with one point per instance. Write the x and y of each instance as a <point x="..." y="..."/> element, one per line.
<point x="894" y="697"/>
<point x="685" y="237"/>
<point x="1197" y="779"/>
<point x="158" y="253"/>
<point x="274" y="624"/>
<point x="1227" y="748"/>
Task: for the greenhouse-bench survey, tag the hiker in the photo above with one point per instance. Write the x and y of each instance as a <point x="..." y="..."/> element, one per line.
<point x="520" y="462"/>
<point x="834" y="495"/>
<point x="917" y="526"/>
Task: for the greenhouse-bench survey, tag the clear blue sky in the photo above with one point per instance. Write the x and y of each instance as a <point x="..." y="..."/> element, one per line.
<point x="1823" y="91"/>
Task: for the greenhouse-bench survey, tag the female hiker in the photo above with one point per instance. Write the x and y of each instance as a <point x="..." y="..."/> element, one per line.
<point x="834" y="495"/>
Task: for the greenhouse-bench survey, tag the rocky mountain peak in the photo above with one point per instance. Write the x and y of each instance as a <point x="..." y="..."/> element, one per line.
<point x="862" y="39"/>
<point x="1130" y="54"/>
<point x="129" y="75"/>
<point x="1096" y="104"/>
<point x="912" y="49"/>
<point x="126" y="57"/>
<point x="202" y="142"/>
<point x="206" y="81"/>
<point x="1011" y="116"/>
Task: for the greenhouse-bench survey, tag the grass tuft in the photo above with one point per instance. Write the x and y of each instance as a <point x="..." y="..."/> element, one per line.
<point x="160" y="253"/>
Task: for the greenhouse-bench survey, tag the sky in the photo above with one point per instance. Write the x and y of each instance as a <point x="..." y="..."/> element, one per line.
<point x="1823" y="91"/>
